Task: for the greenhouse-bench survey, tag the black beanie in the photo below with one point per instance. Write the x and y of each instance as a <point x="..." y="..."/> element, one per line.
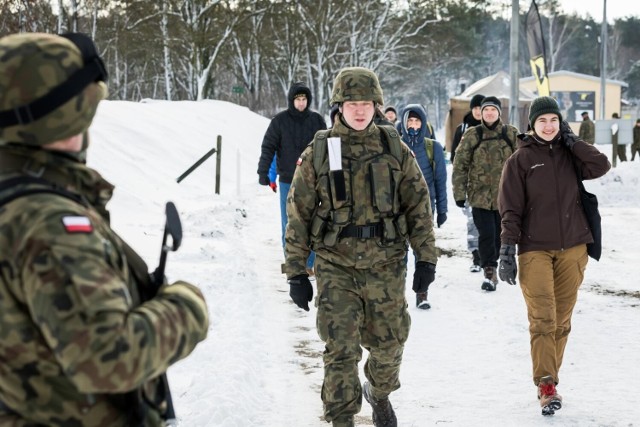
<point x="543" y="105"/>
<point x="414" y="115"/>
<point x="386" y="110"/>
<point x="492" y="101"/>
<point x="476" y="101"/>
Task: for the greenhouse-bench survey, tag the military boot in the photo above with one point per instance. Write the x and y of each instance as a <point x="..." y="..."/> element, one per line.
<point x="343" y="422"/>
<point x="421" y="301"/>
<point x="383" y="414"/>
<point x="490" y="279"/>
<point x="550" y="400"/>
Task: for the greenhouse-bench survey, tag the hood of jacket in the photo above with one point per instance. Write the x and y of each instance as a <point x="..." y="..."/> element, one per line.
<point x="419" y="110"/>
<point x="296" y="88"/>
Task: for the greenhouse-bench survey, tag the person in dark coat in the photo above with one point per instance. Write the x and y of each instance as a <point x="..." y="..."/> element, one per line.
<point x="540" y="206"/>
<point x="432" y="165"/>
<point x="471" y="119"/>
<point x="288" y="134"/>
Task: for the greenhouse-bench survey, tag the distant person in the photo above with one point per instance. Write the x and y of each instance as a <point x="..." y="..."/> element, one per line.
<point x="539" y="202"/>
<point x="391" y="115"/>
<point x="288" y="134"/>
<point x="587" y="130"/>
<point x="85" y="334"/>
<point x="380" y="118"/>
<point x="358" y="208"/>
<point x="635" y="147"/>
<point x="430" y="157"/>
<point x="476" y="174"/>
<point x="615" y="131"/>
<point x="471" y="119"/>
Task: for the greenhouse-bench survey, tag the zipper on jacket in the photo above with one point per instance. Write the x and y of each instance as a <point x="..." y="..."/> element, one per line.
<point x="555" y="172"/>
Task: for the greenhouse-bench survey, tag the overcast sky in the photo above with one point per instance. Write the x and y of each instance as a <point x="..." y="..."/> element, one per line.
<point x="615" y="8"/>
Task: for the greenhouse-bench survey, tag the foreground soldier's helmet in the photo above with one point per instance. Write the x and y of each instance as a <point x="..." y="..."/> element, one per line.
<point x="50" y="87"/>
<point x="356" y="84"/>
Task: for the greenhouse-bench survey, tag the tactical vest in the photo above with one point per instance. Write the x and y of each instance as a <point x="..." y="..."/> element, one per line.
<point x="337" y="221"/>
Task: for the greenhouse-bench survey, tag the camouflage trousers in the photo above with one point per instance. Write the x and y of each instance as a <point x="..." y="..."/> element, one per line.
<point x="360" y="308"/>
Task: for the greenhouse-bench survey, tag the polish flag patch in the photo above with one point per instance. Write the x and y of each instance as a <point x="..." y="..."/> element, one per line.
<point x="299" y="162"/>
<point x="77" y="224"/>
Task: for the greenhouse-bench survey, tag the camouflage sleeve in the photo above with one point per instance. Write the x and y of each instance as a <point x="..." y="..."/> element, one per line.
<point x="415" y="204"/>
<point x="462" y="163"/>
<point x="301" y="204"/>
<point x="75" y="287"/>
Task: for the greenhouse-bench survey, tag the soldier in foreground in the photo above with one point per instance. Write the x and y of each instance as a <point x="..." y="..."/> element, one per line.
<point x="78" y="345"/>
<point x="357" y="198"/>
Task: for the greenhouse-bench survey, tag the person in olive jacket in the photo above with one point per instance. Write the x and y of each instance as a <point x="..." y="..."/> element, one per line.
<point x="540" y="206"/>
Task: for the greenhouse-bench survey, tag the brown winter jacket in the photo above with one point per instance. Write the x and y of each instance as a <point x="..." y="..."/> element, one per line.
<point x="539" y="199"/>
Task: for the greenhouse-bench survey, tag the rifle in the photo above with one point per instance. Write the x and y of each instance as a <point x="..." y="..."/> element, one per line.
<point x="173" y="228"/>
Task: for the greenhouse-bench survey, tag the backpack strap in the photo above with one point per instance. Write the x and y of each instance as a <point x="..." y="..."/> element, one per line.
<point x="389" y="134"/>
<point x="45" y="187"/>
<point x="428" y="146"/>
<point x="393" y="139"/>
<point x="320" y="149"/>
<point x="503" y="135"/>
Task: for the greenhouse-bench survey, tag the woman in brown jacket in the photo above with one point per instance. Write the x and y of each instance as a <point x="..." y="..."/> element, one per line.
<point x="539" y="203"/>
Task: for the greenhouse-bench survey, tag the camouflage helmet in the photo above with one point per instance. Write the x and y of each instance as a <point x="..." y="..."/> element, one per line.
<point x="356" y="84"/>
<point x="50" y="87"/>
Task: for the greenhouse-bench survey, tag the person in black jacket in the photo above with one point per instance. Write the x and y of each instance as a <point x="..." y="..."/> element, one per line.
<point x="287" y="136"/>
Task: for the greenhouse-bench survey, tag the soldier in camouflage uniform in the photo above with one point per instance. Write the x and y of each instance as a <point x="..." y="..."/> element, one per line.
<point x="359" y="211"/>
<point x="587" y="131"/>
<point x="78" y="346"/>
<point x="477" y="167"/>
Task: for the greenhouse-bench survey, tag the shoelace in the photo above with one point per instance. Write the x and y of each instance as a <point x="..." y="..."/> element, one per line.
<point x="547" y="389"/>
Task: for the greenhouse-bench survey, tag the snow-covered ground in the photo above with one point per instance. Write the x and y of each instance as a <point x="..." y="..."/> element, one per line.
<point x="467" y="359"/>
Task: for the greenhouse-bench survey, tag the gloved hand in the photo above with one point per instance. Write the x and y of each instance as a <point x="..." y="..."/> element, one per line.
<point x="441" y="219"/>
<point x="423" y="276"/>
<point x="508" y="270"/>
<point x="264" y="180"/>
<point x="301" y="291"/>
<point x="568" y="137"/>
<point x="274" y="186"/>
<point x="191" y="300"/>
<point x="460" y="203"/>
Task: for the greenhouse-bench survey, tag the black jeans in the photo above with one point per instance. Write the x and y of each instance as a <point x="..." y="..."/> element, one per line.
<point x="488" y="225"/>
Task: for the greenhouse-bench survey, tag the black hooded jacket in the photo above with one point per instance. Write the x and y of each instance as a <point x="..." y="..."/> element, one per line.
<point x="288" y="134"/>
<point x="468" y="122"/>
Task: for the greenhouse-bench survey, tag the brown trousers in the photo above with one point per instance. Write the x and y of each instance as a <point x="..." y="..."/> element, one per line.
<point x="549" y="281"/>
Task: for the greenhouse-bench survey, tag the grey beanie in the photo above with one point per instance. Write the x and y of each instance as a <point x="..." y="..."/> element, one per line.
<point x="492" y="101"/>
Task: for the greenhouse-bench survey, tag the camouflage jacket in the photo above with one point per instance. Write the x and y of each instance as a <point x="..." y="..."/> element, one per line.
<point x="76" y="343"/>
<point x="478" y="165"/>
<point x="400" y="203"/>
<point x="587" y="131"/>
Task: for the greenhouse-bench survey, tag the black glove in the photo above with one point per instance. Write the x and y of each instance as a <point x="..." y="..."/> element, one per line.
<point x="301" y="291"/>
<point x="441" y="219"/>
<point x="568" y="137"/>
<point x="264" y="180"/>
<point x="423" y="276"/>
<point x="460" y="203"/>
<point x="508" y="269"/>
